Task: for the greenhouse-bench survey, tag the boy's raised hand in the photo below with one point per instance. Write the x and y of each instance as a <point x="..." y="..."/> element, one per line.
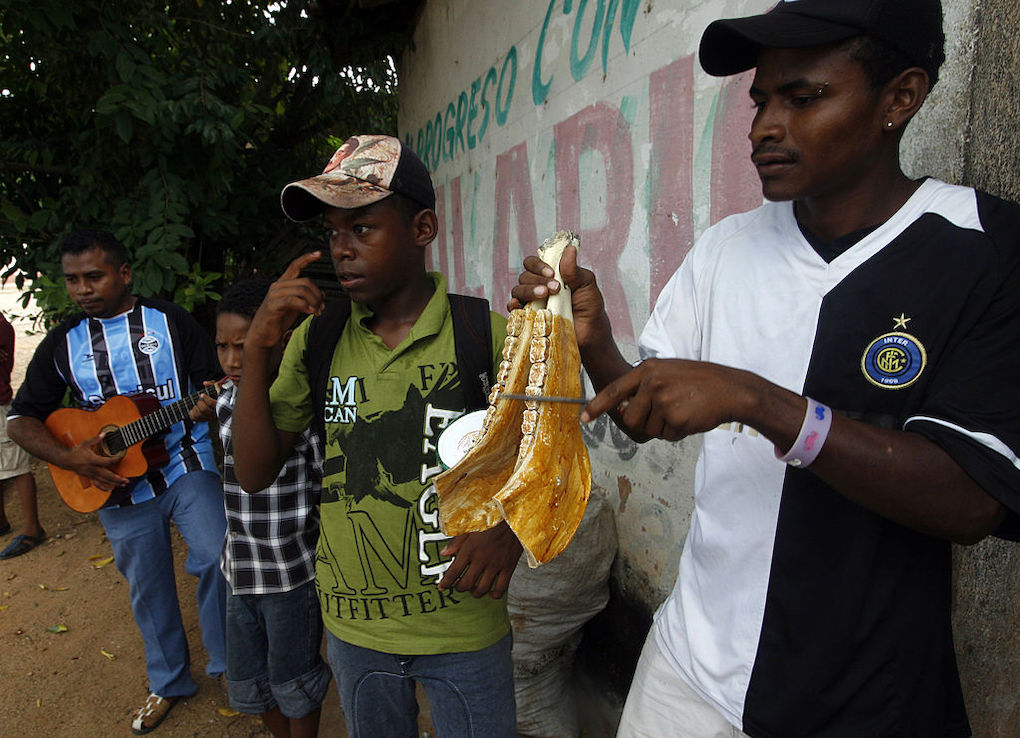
<point x="537" y="282"/>
<point x="289" y="297"/>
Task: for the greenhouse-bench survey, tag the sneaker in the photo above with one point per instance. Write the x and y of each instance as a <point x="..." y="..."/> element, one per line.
<point x="152" y="713"/>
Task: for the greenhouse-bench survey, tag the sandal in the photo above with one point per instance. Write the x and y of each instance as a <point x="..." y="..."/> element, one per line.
<point x="152" y="713"/>
<point x="23" y="544"/>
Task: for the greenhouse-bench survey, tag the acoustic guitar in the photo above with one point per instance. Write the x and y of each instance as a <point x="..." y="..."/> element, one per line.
<point x="130" y="426"/>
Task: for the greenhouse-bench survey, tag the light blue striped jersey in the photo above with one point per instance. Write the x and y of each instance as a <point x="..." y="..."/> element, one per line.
<point x="156" y="347"/>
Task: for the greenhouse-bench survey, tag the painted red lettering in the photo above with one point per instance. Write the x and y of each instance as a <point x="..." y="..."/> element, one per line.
<point x="513" y="192"/>
<point x="603" y="129"/>
<point x="671" y="201"/>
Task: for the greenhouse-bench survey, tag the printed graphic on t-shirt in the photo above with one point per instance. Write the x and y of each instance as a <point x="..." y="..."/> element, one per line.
<point x="378" y="469"/>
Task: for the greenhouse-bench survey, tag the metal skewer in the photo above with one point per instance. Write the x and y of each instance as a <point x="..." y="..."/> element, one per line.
<point x="542" y="398"/>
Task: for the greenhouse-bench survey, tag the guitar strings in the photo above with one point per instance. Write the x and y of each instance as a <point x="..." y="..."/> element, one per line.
<point x="156" y="421"/>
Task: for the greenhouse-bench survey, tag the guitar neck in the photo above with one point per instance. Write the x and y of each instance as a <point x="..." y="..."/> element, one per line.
<point x="156" y="421"/>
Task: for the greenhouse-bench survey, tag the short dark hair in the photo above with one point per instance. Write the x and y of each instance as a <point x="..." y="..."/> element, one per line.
<point x="82" y="240"/>
<point x="881" y="62"/>
<point x="405" y="206"/>
<point x="244" y="297"/>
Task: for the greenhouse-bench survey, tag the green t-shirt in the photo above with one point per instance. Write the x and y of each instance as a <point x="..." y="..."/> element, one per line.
<point x="378" y="559"/>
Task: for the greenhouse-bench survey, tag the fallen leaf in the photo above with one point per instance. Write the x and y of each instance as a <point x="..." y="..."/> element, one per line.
<point x="61" y="552"/>
<point x="4" y="607"/>
<point x="38" y="702"/>
<point x="57" y="629"/>
<point x="95" y="557"/>
<point x="227" y="712"/>
<point x="99" y="564"/>
<point x="107" y="654"/>
<point x="60" y="589"/>
<point x="42" y="586"/>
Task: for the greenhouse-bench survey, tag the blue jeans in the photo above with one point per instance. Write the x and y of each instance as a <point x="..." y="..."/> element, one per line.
<point x="471" y="693"/>
<point x="273" y="644"/>
<point x="140" y="535"/>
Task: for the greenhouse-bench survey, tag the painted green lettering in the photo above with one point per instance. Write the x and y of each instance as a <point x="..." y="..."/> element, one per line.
<point x="449" y="133"/>
<point x="462" y="103"/>
<point x="540" y="89"/>
<point x="503" y="110"/>
<point x="490" y="78"/>
<point x="579" y="65"/>
<point x="472" y="113"/>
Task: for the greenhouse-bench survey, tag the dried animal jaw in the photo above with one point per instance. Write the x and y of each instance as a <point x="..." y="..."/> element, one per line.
<point x="529" y="465"/>
<point x="466" y="490"/>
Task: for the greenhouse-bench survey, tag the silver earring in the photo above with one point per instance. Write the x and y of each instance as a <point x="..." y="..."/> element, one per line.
<point x="888" y="124"/>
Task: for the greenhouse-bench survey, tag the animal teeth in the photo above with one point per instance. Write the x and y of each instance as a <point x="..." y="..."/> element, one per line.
<point x="529" y="465"/>
<point x="536" y="378"/>
<point x="515" y="322"/>
<point x="539" y="349"/>
<point x="543" y="322"/>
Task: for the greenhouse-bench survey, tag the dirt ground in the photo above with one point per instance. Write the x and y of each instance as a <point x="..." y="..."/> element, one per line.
<point x="71" y="656"/>
<point x="89" y="679"/>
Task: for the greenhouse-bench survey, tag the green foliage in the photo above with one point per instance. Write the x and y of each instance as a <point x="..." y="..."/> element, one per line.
<point x="175" y="125"/>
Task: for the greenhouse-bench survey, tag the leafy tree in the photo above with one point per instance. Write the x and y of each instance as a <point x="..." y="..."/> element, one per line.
<point x="175" y="124"/>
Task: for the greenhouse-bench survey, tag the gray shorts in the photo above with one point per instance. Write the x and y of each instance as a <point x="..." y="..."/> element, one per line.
<point x="14" y="460"/>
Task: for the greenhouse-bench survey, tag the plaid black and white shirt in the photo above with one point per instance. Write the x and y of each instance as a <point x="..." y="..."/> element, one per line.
<point x="272" y="534"/>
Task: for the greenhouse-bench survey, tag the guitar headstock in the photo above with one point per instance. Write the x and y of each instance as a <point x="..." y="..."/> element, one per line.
<point x="214" y="389"/>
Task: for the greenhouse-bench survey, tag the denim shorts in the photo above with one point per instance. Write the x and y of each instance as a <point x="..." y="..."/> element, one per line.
<point x="470" y="693"/>
<point x="273" y="659"/>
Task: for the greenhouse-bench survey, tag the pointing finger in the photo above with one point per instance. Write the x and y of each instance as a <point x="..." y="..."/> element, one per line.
<point x="613" y="395"/>
<point x="293" y="270"/>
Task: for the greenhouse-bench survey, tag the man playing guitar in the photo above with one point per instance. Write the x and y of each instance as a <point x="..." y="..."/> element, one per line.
<point x="122" y="344"/>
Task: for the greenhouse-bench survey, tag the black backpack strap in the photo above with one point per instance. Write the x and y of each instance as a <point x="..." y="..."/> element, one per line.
<point x="472" y="338"/>
<point x="323" y="334"/>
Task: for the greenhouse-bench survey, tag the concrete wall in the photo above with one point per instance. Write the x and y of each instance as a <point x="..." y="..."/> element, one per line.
<point x="593" y="115"/>
<point x="987" y="596"/>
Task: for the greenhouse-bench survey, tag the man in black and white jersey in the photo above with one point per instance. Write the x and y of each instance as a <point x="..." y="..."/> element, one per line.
<point x="849" y="351"/>
<point x="122" y="344"/>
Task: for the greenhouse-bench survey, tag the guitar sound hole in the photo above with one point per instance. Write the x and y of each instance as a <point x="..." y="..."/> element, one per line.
<point x="112" y="445"/>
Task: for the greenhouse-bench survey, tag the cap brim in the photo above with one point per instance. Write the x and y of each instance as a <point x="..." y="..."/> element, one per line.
<point x="732" y="46"/>
<point x="306" y="199"/>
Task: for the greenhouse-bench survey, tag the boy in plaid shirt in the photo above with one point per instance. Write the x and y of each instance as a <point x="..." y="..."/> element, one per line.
<point x="274" y="630"/>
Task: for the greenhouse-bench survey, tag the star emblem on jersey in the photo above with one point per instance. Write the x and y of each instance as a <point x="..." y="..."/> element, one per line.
<point x="894" y="360"/>
<point x="901" y="322"/>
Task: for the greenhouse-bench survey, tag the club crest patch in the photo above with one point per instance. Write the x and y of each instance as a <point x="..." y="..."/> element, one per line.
<point x="148" y="344"/>
<point x="894" y="360"/>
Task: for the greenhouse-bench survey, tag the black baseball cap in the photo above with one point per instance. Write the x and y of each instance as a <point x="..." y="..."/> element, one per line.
<point x="912" y="27"/>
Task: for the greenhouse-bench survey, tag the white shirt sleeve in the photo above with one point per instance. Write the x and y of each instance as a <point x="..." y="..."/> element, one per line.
<point x="673" y="330"/>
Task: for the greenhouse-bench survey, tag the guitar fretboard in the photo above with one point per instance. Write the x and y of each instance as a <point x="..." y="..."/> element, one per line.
<point x="156" y="421"/>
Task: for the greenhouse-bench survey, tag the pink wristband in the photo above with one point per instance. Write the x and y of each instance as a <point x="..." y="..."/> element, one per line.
<point x="813" y="431"/>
